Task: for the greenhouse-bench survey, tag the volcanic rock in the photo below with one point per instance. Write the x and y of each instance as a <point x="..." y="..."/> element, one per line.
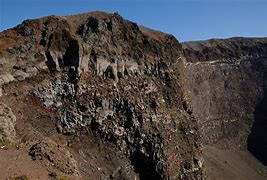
<point x="96" y="82"/>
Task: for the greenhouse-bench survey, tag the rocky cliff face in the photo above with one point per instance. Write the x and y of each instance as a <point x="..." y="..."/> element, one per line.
<point x="100" y="74"/>
<point x="120" y="101"/>
<point x="226" y="83"/>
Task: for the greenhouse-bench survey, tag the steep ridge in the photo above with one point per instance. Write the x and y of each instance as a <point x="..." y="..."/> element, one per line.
<point x="95" y="96"/>
<point x="96" y="78"/>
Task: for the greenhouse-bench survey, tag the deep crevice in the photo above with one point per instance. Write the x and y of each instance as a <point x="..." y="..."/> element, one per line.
<point x="71" y="57"/>
<point x="257" y="140"/>
<point x="144" y="166"/>
<point x="50" y="62"/>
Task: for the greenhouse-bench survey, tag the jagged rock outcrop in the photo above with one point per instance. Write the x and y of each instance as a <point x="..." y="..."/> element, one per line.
<point x="110" y="77"/>
<point x="142" y="93"/>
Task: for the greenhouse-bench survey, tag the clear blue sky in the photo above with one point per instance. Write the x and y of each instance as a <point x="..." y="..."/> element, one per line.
<point x="185" y="19"/>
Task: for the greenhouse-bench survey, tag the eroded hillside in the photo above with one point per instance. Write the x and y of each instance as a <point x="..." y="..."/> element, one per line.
<point x="226" y="82"/>
<point x="94" y="96"/>
<point x="78" y="81"/>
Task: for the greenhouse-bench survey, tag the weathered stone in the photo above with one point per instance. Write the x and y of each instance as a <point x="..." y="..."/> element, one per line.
<point x="20" y="75"/>
<point x="6" y="78"/>
<point x="32" y="71"/>
<point x="42" y="66"/>
<point x="3" y="61"/>
<point x="7" y="124"/>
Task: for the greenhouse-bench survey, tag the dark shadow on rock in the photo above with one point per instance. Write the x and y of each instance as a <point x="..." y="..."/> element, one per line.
<point x="145" y="166"/>
<point x="50" y="62"/>
<point x="257" y="140"/>
<point x="71" y="57"/>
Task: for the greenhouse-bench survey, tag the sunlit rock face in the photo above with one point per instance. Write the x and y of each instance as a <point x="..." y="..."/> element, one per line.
<point x="102" y="74"/>
<point x="97" y="78"/>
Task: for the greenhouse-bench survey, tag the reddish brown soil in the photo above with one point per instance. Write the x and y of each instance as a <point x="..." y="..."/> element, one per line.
<point x="16" y="163"/>
<point x="95" y="157"/>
